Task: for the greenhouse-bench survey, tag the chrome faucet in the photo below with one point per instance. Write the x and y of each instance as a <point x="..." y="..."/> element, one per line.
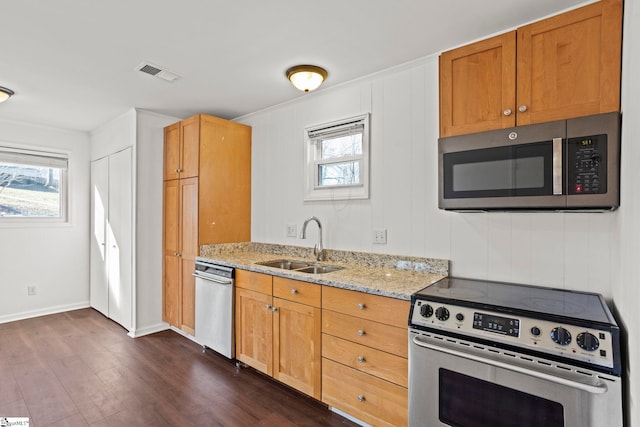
<point x="318" y="251"/>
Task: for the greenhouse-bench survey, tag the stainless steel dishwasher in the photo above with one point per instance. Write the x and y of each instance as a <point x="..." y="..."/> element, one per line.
<point x="214" y="306"/>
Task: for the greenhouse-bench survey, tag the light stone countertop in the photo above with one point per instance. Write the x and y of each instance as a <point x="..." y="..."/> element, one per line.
<point x="387" y="275"/>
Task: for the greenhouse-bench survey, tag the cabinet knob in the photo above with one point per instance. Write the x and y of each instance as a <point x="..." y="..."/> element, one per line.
<point x="507" y="112"/>
<point x="522" y="108"/>
<point x="175" y="254"/>
<point x="274" y="309"/>
<point x="360" y="359"/>
<point x="294" y="291"/>
<point x="361" y="306"/>
<point x="361" y="398"/>
<point x="361" y="332"/>
<point x="267" y="306"/>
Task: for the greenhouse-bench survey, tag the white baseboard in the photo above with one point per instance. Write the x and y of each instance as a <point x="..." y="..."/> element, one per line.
<point x="147" y="330"/>
<point x="43" y="312"/>
<point x="349" y="417"/>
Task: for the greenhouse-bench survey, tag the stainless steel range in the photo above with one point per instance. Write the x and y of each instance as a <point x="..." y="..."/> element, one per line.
<point x="500" y="354"/>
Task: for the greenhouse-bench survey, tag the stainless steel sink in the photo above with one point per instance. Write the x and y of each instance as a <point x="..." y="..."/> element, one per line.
<point x="319" y="269"/>
<point x="300" y="266"/>
<point x="285" y="264"/>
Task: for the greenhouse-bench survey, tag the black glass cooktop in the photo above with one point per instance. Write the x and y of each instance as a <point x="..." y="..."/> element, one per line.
<point x="519" y="298"/>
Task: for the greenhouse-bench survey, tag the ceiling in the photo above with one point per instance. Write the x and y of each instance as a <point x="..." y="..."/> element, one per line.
<point x="72" y="63"/>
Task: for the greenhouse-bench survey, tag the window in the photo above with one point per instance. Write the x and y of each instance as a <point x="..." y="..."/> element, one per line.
<point x="33" y="184"/>
<point x="337" y="155"/>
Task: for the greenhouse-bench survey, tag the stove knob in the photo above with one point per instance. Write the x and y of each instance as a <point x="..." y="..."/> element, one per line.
<point x="460" y="317"/>
<point x="587" y="341"/>
<point x="442" y="314"/>
<point x="426" y="311"/>
<point x="561" y="336"/>
<point x="535" y="331"/>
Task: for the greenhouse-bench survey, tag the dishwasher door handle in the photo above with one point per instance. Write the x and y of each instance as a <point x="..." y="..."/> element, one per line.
<point x="215" y="279"/>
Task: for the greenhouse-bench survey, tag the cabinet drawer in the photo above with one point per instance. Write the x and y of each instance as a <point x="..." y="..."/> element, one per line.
<point x="387" y="310"/>
<point x="295" y="290"/>
<point x="371" y="334"/>
<point x="366" y="359"/>
<point x="257" y="282"/>
<point x="366" y="397"/>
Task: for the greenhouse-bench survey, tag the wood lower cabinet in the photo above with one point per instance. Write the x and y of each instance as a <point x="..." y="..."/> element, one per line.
<point x="364" y="355"/>
<point x="278" y="329"/>
<point x="180" y="250"/>
<point x="207" y="200"/>
<point x="565" y="66"/>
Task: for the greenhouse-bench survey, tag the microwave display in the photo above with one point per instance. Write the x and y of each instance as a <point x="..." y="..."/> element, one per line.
<point x="587" y="162"/>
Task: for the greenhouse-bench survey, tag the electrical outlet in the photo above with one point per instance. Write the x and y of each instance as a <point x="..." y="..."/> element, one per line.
<point x="31" y="290"/>
<point x="380" y="236"/>
<point x="292" y="230"/>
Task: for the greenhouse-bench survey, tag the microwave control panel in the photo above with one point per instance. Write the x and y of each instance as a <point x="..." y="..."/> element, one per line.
<point x="587" y="165"/>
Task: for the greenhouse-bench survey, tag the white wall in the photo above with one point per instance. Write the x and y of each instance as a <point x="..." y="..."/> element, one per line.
<point x="590" y="252"/>
<point x="55" y="257"/>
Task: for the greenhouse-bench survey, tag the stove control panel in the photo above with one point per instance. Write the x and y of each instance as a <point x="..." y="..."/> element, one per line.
<point x="585" y="344"/>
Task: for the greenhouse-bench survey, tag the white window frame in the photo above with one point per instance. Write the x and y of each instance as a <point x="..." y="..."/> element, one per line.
<point x="313" y="134"/>
<point x="39" y="157"/>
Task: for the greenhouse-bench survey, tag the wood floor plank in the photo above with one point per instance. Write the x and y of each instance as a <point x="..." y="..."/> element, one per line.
<point x="80" y="369"/>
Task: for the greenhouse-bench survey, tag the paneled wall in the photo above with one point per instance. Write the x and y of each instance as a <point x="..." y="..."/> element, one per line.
<point x="538" y="248"/>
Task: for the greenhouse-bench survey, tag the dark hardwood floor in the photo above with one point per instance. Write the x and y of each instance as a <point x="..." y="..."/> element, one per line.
<point x="80" y="369"/>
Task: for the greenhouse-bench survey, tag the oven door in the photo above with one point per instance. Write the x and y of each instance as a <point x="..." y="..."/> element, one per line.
<point x="459" y="383"/>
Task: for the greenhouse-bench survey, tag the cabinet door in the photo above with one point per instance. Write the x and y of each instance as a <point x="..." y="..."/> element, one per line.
<point x="99" y="290"/>
<point x="188" y="232"/>
<point x="569" y="65"/>
<point x="254" y="330"/>
<point x="477" y="86"/>
<point x="119" y="237"/>
<point x="190" y="138"/>
<point x="225" y="153"/>
<point x="172" y="151"/>
<point x="296" y="346"/>
<point x="171" y="292"/>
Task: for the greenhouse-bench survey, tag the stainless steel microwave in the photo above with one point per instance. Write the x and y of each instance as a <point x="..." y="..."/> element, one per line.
<point x="562" y="165"/>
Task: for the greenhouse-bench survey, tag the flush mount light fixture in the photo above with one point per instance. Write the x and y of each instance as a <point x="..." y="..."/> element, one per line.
<point x="5" y="93"/>
<point x="306" y="77"/>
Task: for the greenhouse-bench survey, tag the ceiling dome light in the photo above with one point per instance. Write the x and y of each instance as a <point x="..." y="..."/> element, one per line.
<point x="5" y="93"/>
<point x="306" y="77"/>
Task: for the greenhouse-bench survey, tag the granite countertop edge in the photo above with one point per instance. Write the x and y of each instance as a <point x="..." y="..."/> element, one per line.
<point x="365" y="273"/>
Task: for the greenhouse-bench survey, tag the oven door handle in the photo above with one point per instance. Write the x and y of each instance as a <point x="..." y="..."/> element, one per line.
<point x="591" y="388"/>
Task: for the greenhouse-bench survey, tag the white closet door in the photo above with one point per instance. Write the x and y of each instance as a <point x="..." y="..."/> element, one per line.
<point x="119" y="238"/>
<point x="99" y="288"/>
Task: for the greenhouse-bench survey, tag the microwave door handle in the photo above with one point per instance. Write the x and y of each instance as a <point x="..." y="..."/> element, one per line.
<point x="557" y="166"/>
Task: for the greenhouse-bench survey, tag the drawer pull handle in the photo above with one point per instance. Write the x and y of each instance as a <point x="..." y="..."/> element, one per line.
<point x="361" y="306"/>
<point x="294" y="291"/>
<point x="360" y="332"/>
<point x="360" y="359"/>
<point x="361" y="398"/>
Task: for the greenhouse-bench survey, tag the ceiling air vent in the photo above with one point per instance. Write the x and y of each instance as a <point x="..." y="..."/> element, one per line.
<point x="159" y="72"/>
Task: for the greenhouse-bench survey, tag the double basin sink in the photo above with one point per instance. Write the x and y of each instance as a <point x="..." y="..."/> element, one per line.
<point x="300" y="266"/>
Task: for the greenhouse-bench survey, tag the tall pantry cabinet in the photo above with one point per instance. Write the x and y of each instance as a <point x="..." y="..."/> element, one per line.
<point x="207" y="200"/>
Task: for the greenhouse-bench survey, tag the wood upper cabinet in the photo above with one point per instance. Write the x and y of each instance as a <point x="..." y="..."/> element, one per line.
<point x="477" y="85"/>
<point x="182" y="149"/>
<point x="569" y="65"/>
<point x="558" y="68"/>
<point x="278" y="329"/>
